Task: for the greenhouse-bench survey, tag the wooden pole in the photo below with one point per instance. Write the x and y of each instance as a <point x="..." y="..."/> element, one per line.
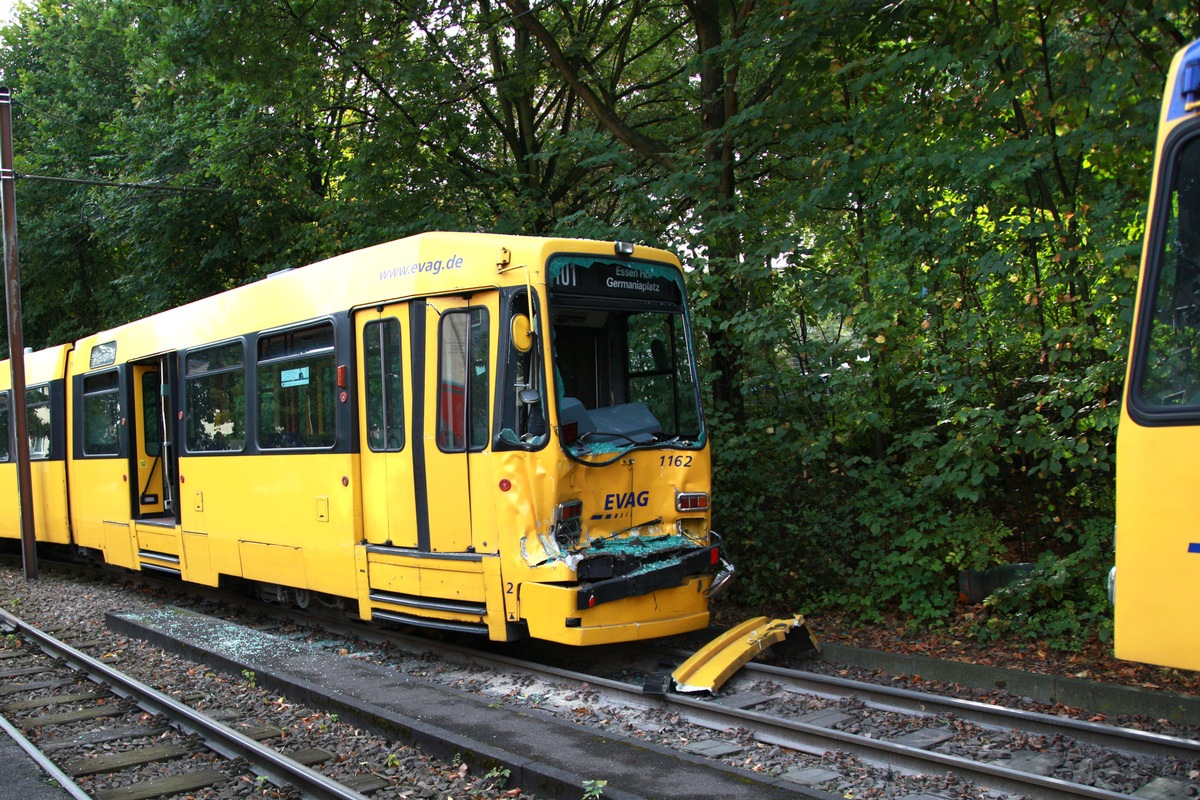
<point x="16" y="342"/>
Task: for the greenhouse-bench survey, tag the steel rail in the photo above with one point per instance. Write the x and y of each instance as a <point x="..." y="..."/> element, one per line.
<point x="983" y="714"/>
<point x="63" y="780"/>
<point x="768" y="729"/>
<point x="275" y="766"/>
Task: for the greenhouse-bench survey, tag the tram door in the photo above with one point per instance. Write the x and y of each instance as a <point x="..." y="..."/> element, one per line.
<point x="389" y="503"/>
<point x="456" y="421"/>
<point x="154" y="457"/>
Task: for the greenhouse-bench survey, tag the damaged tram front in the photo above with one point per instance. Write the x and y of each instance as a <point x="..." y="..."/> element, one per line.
<point x="603" y="423"/>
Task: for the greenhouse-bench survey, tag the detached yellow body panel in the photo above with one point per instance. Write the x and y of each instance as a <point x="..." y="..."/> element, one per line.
<point x="715" y="663"/>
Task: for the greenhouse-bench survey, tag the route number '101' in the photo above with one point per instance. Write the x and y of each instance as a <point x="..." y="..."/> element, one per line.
<point x="568" y="275"/>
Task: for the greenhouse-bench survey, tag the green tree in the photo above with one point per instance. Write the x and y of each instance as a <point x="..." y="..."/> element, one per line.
<point x="965" y="195"/>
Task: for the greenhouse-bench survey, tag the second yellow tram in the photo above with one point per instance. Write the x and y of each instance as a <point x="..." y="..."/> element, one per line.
<point x="1156" y="582"/>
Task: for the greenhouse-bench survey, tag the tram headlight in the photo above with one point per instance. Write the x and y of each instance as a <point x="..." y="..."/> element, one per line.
<point x="567" y="525"/>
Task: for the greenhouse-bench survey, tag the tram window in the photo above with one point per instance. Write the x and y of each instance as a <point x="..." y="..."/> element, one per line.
<point x="462" y="399"/>
<point x="523" y="416"/>
<point x="215" y="379"/>
<point x="658" y="376"/>
<point x="37" y="420"/>
<point x="624" y="364"/>
<point x="1170" y="375"/>
<point x="385" y="388"/>
<point x="297" y="389"/>
<point x="151" y="413"/>
<point x="101" y="414"/>
<point x="4" y="454"/>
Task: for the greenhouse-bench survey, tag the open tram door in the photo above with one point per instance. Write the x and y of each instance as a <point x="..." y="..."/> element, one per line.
<point x="155" y="467"/>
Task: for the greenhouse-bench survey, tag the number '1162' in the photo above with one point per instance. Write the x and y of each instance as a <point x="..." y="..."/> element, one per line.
<point x="675" y="461"/>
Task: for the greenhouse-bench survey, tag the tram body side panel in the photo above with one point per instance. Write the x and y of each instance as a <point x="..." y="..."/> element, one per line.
<point x="100" y="508"/>
<point x="51" y="522"/>
<point x="1157" y="545"/>
<point x="47" y="425"/>
<point x="287" y="519"/>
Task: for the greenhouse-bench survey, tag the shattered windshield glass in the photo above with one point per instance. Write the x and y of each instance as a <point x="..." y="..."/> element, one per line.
<point x="623" y="366"/>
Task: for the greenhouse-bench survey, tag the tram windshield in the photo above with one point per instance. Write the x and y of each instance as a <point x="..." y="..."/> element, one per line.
<point x="1167" y="375"/>
<point x="624" y="370"/>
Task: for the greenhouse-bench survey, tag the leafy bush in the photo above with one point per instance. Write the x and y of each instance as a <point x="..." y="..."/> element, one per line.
<point x="1063" y="602"/>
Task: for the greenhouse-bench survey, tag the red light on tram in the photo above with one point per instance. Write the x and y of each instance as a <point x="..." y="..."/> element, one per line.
<point x="691" y="501"/>
<point x="569" y="432"/>
<point x="505" y="484"/>
<point x="715" y="557"/>
<point x="341" y="377"/>
<point x="591" y="601"/>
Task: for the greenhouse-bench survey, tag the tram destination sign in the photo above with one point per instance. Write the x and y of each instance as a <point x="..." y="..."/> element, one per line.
<point x="600" y="278"/>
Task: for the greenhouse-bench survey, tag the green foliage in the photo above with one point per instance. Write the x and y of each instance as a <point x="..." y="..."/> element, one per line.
<point x="498" y="776"/>
<point x="1062" y="602"/>
<point x="934" y="384"/>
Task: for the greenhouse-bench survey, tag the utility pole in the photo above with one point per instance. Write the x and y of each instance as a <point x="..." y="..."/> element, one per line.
<point x="16" y="340"/>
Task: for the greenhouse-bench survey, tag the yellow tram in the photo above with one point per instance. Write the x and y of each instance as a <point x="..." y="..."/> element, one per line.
<point x="1156" y="581"/>
<point x="482" y="433"/>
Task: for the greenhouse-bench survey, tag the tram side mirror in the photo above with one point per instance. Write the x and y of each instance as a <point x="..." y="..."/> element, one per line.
<point x="522" y="333"/>
<point x="529" y="397"/>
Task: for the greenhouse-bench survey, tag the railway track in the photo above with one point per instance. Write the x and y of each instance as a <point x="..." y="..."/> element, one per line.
<point x="815" y="732"/>
<point x="892" y="728"/>
<point x="57" y="700"/>
<point x="1011" y="751"/>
